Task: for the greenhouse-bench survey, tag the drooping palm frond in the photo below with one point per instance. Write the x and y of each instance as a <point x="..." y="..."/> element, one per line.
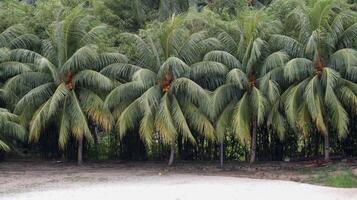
<point x="164" y="122"/>
<point x="180" y="121"/>
<point x="224" y="122"/>
<point x="17" y="36"/>
<point x="79" y="122"/>
<point x="93" y="106"/>
<point x="199" y="121"/>
<point x="242" y="119"/>
<point x="298" y="69"/>
<point x="92" y="80"/>
<point x="10" y="128"/>
<point x="314" y="102"/>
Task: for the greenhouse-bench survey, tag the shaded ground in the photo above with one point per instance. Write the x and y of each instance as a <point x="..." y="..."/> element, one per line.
<point x="24" y="180"/>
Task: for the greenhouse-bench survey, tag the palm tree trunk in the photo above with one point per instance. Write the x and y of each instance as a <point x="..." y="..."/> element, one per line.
<point x="80" y="151"/>
<point x="254" y="142"/>
<point x="327" y="147"/>
<point x="63" y="157"/>
<point x="172" y="153"/>
<point x="221" y="153"/>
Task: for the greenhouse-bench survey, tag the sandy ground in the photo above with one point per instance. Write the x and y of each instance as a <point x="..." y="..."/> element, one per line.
<point x="52" y="181"/>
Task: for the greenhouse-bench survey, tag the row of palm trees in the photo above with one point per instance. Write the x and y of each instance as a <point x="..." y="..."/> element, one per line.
<point x="192" y="74"/>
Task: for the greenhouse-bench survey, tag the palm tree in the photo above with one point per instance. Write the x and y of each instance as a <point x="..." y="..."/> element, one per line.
<point x="322" y="70"/>
<point x="10" y="128"/>
<point x="251" y="93"/>
<point x="157" y="94"/>
<point x="61" y="83"/>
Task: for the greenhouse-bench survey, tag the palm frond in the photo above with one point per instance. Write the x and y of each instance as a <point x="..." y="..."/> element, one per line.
<point x="258" y="49"/>
<point x="22" y="83"/>
<point x="164" y="123"/>
<point x="314" y="103"/>
<point x="107" y="58"/>
<point x="344" y="61"/>
<point x="180" y="121"/>
<point x="238" y="78"/>
<point x="270" y="89"/>
<point x="259" y="104"/>
<point x="11" y="68"/>
<point x="298" y="69"/>
<point x="145" y="53"/>
<point x="209" y="74"/>
<point x="58" y="98"/>
<point x="242" y="119"/>
<point x="44" y="65"/>
<point x="94" y="35"/>
<point x="39" y="121"/>
<point x="4" y="146"/>
<point x="292" y="99"/>
<point x="35" y="97"/>
<point x="190" y="91"/>
<point x="64" y="129"/>
<point x="25" y="41"/>
<point x="120" y="71"/>
<point x="24" y="55"/>
<point x="338" y="114"/>
<point x="147" y="128"/>
<point x="198" y="121"/>
<point x="348" y="37"/>
<point x="223" y="57"/>
<point x="277" y="121"/>
<point x="220" y="98"/>
<point x="303" y="120"/>
<point x="92" y="79"/>
<point x="224" y="122"/>
<point x="288" y="44"/>
<point x="93" y="106"/>
<point x="79" y="124"/>
<point x="174" y="66"/>
<point x="145" y="77"/>
<point x="120" y="94"/>
<point x="192" y="49"/>
<point x="273" y="61"/>
<point x="129" y="118"/>
<point x="348" y="98"/>
<point x="81" y="59"/>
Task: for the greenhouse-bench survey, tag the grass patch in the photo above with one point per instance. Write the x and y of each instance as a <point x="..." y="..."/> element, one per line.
<point x="341" y="179"/>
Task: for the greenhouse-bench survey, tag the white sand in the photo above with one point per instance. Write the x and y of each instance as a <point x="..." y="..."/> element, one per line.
<point x="185" y="187"/>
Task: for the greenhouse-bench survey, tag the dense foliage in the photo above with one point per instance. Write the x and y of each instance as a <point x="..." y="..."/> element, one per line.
<point x="119" y="79"/>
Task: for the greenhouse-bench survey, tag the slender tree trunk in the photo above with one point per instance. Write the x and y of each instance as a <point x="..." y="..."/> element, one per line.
<point x="63" y="157"/>
<point x="172" y="153"/>
<point x="327" y="147"/>
<point x="80" y="151"/>
<point x="95" y="135"/>
<point x="254" y="142"/>
<point x="221" y="153"/>
<point x="180" y="147"/>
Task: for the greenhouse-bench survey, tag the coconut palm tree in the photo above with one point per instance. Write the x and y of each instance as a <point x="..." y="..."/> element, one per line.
<point x="60" y="84"/>
<point x="10" y="128"/>
<point x="251" y="93"/>
<point x="157" y="94"/>
<point x="322" y="70"/>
